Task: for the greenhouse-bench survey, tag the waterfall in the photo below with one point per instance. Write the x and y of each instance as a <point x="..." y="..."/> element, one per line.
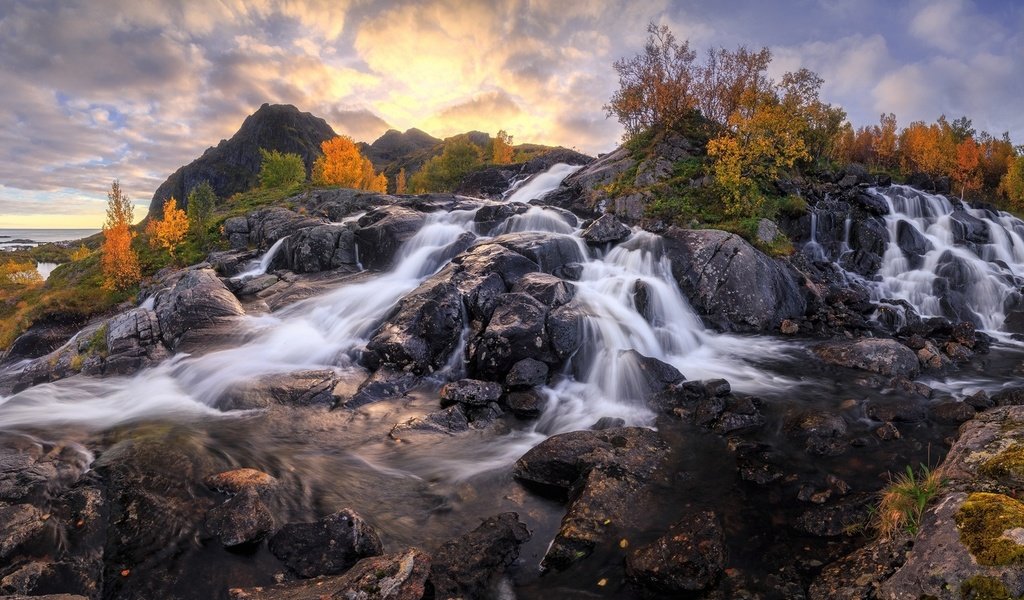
<point x="257" y="268"/>
<point x="542" y="183"/>
<point x="947" y="259"/>
<point x="812" y="248"/>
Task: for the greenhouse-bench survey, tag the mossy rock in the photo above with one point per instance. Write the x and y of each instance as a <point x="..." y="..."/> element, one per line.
<point x="981" y="587"/>
<point x="991" y="526"/>
<point x="1007" y="467"/>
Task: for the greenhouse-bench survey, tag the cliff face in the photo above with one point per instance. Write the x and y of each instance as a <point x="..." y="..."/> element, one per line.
<point x="233" y="165"/>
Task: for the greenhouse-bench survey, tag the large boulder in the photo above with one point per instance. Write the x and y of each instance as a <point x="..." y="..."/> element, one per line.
<point x="318" y="248"/>
<point x="551" y="251"/>
<point x="882" y="356"/>
<point x="605" y="229"/>
<point x="325" y="547"/>
<point x="731" y="283"/>
<point x="382" y="232"/>
<point x="197" y="300"/>
<point x="517" y="330"/>
<point x="470" y="566"/>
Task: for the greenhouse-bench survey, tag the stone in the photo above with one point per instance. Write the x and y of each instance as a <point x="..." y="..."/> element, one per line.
<point x="767" y="231"/>
<point x="527" y="373"/>
<point x="237" y="481"/>
<point x="447" y="420"/>
<point x="199" y="299"/>
<point x="604" y="230"/>
<point x="689" y="557"/>
<point x="896" y="409"/>
<point x="382" y="232"/>
<point x="953" y="412"/>
<point x="470" y="566"/>
<point x="517" y="330"/>
<point x="887" y="432"/>
<point x="527" y="404"/>
<point x="19" y="524"/>
<point x="470" y="392"/>
<point x="241" y="519"/>
<point x="882" y="356"/>
<point x="547" y="289"/>
<point x="325" y="547"/>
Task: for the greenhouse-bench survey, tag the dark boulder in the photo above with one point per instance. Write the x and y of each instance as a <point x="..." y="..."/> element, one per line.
<point x="326" y="547"/>
<point x="911" y="241"/>
<point x="871" y="203"/>
<point x="953" y="412"/>
<point x="883" y="356"/>
<point x="604" y="230"/>
<point x="868" y="240"/>
<point x="470" y="392"/>
<point x="551" y="251"/>
<point x="688" y="558"/>
<point x="450" y="420"/>
<point x="470" y="566"/>
<point x="526" y="404"/>
<point x="241" y="519"/>
<point x="548" y="289"/>
<point x="733" y="284"/>
<point x="491" y="216"/>
<point x="517" y="330"/>
<point x="565" y="330"/>
<point x="899" y="409"/>
<point x="237" y="481"/>
<point x="382" y="232"/>
<point x="527" y="373"/>
<point x="319" y="248"/>
<point x="199" y="299"/>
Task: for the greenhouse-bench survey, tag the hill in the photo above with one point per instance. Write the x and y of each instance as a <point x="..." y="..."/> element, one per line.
<point x="233" y="165"/>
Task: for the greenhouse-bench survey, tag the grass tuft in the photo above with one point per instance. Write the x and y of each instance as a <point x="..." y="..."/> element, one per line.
<point x="905" y="499"/>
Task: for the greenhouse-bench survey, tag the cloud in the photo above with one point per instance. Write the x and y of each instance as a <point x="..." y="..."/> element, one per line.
<point x="360" y="124"/>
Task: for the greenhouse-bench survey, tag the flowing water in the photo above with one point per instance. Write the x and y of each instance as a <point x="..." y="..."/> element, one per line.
<point x="422" y="490"/>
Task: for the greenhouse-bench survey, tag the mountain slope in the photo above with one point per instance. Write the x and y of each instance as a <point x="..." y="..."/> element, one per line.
<point x="233" y="165"/>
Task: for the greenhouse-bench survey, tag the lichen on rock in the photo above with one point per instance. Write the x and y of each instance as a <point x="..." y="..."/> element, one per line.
<point x="984" y="520"/>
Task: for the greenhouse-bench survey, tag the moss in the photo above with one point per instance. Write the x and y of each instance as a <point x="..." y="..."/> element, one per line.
<point x="1007" y="466"/>
<point x="77" y="361"/>
<point x="792" y="206"/>
<point x="981" y="587"/>
<point x="982" y="520"/>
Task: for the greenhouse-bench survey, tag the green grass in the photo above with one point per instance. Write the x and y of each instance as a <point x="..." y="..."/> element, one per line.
<point x="904" y="501"/>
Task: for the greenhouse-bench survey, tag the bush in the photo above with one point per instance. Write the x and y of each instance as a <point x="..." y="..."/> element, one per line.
<point x="281" y="169"/>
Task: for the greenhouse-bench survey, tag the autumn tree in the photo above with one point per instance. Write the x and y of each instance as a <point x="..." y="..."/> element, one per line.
<point x="656" y="86"/>
<point x="172" y="229"/>
<point x="996" y="156"/>
<point x="80" y="253"/>
<point x="401" y="186"/>
<point x="502" y="154"/>
<point x="926" y="148"/>
<point x="280" y="169"/>
<point x="1012" y="185"/>
<point x="966" y="170"/>
<point x="884" y="142"/>
<point x="726" y="77"/>
<point x="20" y="274"/>
<point x="342" y="164"/>
<point x="821" y="123"/>
<point x="119" y="261"/>
<point x="444" y="172"/>
<point x="201" y="201"/>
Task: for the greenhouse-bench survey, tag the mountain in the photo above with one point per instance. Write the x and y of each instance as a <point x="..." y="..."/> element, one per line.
<point x="395" y="146"/>
<point x="233" y="165"/>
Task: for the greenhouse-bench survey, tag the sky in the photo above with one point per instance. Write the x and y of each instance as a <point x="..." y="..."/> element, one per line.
<point x="93" y="90"/>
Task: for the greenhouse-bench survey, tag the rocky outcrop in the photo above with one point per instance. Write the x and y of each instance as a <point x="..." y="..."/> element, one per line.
<point x="606" y="475"/>
<point x="265" y="226"/>
<point x="732" y="284"/>
<point x="318" y="248"/>
<point x="197" y="300"/>
<point x="233" y="165"/>
<point x="882" y="356"/>
<point x="383" y="231"/>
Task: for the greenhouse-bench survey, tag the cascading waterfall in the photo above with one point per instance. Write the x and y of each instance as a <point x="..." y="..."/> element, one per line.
<point x="542" y="183"/>
<point x="259" y="267"/>
<point x="959" y="262"/>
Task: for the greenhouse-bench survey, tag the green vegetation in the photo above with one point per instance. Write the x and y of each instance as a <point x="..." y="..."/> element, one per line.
<point x="281" y="169"/>
<point x="443" y="173"/>
<point x="982" y="520"/>
<point x="904" y="501"/>
<point x="1007" y="466"/>
<point x="201" y="203"/>
<point x="982" y="587"/>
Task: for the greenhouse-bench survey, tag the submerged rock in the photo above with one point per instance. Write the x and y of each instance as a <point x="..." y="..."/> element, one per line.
<point x="325" y="547"/>
<point x="241" y="519"/>
<point x="469" y="566"/>
<point x="688" y="558"/>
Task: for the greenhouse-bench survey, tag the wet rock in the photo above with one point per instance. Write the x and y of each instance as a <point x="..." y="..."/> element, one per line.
<point x="319" y="248"/>
<point x="447" y="420"/>
<point x="490" y="216"/>
<point x="883" y="356"/>
<point x="887" y="432"/>
<point x="789" y="327"/>
<point x="1013" y="396"/>
<point x="251" y="286"/>
<point x="565" y="330"/>
<point x="469" y="566"/>
<point x="422" y="333"/>
<point x="655" y="375"/>
<point x="953" y="412"/>
<point x="739" y="414"/>
<point x="824" y="433"/>
<point x="730" y="282"/>
<point x="470" y="392"/>
<point x="897" y="409"/>
<point x="547" y="289"/>
<point x="605" y="229"/>
<point x="267" y="225"/>
<point x="607" y="423"/>
<point x="298" y="388"/>
<point x="241" y="519"/>
<point x="483" y="416"/>
<point x="517" y="330"/>
<point x="31" y="471"/>
<point x="911" y="241"/>
<point x="237" y="481"/>
<point x="857" y="576"/>
<point x="382" y="232"/>
<point x="527" y="373"/>
<point x="756" y="464"/>
<point x="400" y="576"/>
<point x="835" y="519"/>
<point x="979" y="400"/>
<point x="45" y="597"/>
<point x="386" y="382"/>
<point x="966" y="228"/>
<point x="549" y="250"/>
<point x="609" y="473"/>
<point x="19" y="524"/>
<point x="199" y="299"/>
<point x="689" y="557"/>
<point x="527" y="404"/>
<point x="325" y="547"/>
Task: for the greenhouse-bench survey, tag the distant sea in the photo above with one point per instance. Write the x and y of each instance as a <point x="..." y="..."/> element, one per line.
<point x="35" y="237"/>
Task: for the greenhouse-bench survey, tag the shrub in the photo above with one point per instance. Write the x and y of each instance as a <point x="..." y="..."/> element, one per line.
<point x="904" y="500"/>
<point x="281" y="169"/>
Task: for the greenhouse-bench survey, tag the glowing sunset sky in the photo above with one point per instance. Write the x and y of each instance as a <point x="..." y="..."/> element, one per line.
<point x="91" y="90"/>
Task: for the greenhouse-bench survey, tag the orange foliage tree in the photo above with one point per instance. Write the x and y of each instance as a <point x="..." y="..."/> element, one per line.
<point x="884" y="144"/>
<point x="120" y="263"/>
<point x="967" y="167"/>
<point x="401" y="185"/>
<point x="172" y="229"/>
<point x="344" y="165"/>
<point x="502" y="154"/>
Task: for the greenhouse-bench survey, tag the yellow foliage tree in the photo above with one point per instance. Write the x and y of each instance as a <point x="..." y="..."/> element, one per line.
<point x="503" y="150"/>
<point x="22" y="273"/>
<point x="342" y="164"/>
<point x="1012" y="185"/>
<point x="80" y="253"/>
<point x="172" y="229"/>
<point x="967" y="168"/>
<point x="764" y="137"/>
<point x="401" y="185"/>
<point x="120" y="263"/>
